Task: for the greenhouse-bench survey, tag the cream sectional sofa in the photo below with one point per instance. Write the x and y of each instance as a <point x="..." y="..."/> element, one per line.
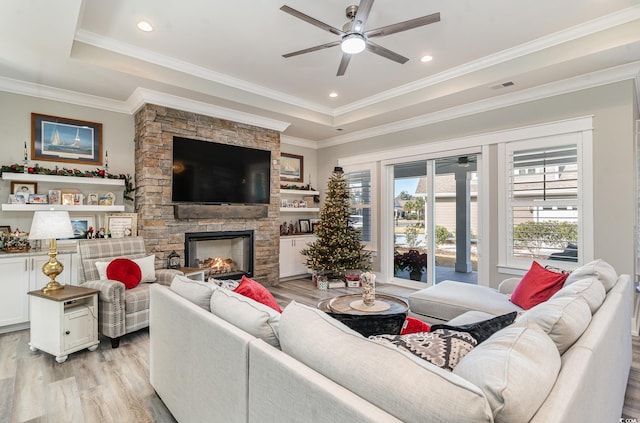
<point x="205" y="368"/>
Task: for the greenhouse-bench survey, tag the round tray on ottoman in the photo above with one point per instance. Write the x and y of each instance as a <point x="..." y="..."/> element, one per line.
<point x="368" y="323"/>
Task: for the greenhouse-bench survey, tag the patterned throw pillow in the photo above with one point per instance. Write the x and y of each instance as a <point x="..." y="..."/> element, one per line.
<point x="443" y="347"/>
<point x="481" y="331"/>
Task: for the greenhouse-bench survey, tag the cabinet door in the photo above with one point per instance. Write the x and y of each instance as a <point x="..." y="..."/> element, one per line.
<point x="77" y="328"/>
<point x="300" y="261"/>
<point x="14" y="285"/>
<point x="286" y="262"/>
<point x="39" y="279"/>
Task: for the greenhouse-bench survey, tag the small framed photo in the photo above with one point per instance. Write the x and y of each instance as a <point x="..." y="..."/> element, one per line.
<point x="284" y="203"/>
<point x="93" y="199"/>
<point x="68" y="199"/>
<point x="305" y="226"/>
<point x="121" y="225"/>
<point x="24" y="189"/>
<point x="38" y="199"/>
<point x="61" y="139"/>
<point x="55" y="196"/>
<point x="5" y="229"/>
<point x="17" y="199"/>
<point x="291" y="167"/>
<point x="81" y="225"/>
<point x="109" y="199"/>
<point x="78" y="199"/>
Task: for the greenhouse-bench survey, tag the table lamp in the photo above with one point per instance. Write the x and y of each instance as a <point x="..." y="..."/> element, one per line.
<point x="51" y="224"/>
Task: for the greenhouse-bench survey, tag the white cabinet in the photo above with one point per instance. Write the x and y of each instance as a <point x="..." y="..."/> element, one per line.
<point x="22" y="273"/>
<point x="14" y="285"/>
<point x="292" y="263"/>
<point x="64" y="321"/>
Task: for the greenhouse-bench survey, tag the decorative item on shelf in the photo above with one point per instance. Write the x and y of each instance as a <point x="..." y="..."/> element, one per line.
<point x="26" y="159"/>
<point x="14" y="242"/>
<point x="52" y="225"/>
<point x="173" y="260"/>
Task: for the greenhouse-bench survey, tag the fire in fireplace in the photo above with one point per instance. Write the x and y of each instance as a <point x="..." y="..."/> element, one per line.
<point x="223" y="255"/>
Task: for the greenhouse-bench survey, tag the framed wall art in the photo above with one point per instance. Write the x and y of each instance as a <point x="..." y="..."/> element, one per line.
<point x="65" y="140"/>
<point x="121" y="225"/>
<point x="291" y="167"/>
<point x="305" y="226"/>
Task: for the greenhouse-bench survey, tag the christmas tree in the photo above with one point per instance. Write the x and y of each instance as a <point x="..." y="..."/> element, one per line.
<point x="338" y="247"/>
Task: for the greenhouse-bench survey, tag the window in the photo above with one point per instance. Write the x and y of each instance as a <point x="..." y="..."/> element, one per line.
<point x="543" y="203"/>
<point x="359" y="186"/>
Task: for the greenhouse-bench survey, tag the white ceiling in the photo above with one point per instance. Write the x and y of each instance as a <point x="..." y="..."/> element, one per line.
<point x="224" y="58"/>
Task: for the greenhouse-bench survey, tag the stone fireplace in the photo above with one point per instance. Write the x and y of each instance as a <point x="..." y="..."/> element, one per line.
<point x="164" y="224"/>
<point x="223" y="255"/>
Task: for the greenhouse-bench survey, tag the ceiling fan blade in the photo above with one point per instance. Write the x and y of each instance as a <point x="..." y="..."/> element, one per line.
<point x="310" y="49"/>
<point x="381" y="51"/>
<point x="343" y="64"/>
<point x="403" y="26"/>
<point x="312" y="21"/>
<point x="362" y="15"/>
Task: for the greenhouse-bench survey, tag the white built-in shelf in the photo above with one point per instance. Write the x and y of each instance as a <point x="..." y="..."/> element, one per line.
<point x="84" y="208"/>
<point x="29" y="177"/>
<point x="299" y="192"/>
<point x="300" y="209"/>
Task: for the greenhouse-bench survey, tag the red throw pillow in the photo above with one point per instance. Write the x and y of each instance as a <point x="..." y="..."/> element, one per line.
<point x="537" y="286"/>
<point x="252" y="289"/>
<point x="125" y="271"/>
<point x="413" y="325"/>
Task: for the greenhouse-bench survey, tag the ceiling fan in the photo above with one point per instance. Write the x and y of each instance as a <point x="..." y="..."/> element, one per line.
<point x="353" y="38"/>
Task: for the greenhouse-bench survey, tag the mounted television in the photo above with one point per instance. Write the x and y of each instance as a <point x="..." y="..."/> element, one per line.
<point x="213" y="173"/>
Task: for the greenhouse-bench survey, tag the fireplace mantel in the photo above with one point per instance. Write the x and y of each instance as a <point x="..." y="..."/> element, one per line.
<point x="212" y="211"/>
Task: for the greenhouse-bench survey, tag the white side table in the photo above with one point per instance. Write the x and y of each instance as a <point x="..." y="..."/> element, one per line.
<point x="194" y="273"/>
<point x="64" y="321"/>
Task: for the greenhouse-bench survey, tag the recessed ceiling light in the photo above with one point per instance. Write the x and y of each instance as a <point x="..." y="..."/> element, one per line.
<point x="144" y="26"/>
<point x="333" y="95"/>
<point x="426" y="59"/>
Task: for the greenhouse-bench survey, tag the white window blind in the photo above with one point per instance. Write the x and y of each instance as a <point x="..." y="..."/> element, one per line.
<point x="359" y="186"/>
<point x="543" y="201"/>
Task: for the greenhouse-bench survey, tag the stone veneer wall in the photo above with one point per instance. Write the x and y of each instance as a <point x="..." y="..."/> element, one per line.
<point x="155" y="128"/>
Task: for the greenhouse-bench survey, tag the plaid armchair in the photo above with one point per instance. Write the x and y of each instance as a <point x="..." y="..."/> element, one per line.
<point x="120" y="310"/>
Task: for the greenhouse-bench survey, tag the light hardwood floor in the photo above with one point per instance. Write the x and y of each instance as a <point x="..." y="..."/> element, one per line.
<point x="112" y="385"/>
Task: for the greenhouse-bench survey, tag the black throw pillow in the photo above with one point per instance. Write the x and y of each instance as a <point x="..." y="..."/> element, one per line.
<point x="484" y="329"/>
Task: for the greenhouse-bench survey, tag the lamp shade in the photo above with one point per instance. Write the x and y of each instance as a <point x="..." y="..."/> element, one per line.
<point x="51" y="224"/>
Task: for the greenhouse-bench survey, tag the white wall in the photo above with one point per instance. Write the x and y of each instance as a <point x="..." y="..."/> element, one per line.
<point x="15" y="129"/>
<point x="613" y="165"/>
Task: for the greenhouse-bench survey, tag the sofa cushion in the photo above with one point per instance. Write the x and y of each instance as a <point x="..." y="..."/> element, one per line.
<point x="413" y="325"/>
<point x="564" y="319"/>
<point x="251" y="316"/>
<point x="125" y="271"/>
<point x="252" y="289"/>
<point x="441" y="347"/>
<point x="537" y="286"/>
<point x="515" y="368"/>
<point x="600" y="269"/>
<point x="449" y="299"/>
<point x="148" y="267"/>
<point x="403" y="385"/>
<point x="136" y="299"/>
<point x="590" y="289"/>
<point x="195" y="291"/>
<point x="481" y="331"/>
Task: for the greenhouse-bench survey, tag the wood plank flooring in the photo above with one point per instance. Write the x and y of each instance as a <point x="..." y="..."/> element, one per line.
<point x="112" y="385"/>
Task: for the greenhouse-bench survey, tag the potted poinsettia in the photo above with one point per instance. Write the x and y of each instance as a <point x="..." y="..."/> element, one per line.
<point x="413" y="260"/>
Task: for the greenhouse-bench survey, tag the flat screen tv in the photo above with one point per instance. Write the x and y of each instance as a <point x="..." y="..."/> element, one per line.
<point x="212" y="173"/>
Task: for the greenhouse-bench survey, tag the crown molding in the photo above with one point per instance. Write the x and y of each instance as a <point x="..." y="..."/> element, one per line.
<point x="110" y="44"/>
<point x="591" y="80"/>
<point x="606" y="22"/>
<point x="141" y="96"/>
<point x="300" y="142"/>
<point x="57" y="94"/>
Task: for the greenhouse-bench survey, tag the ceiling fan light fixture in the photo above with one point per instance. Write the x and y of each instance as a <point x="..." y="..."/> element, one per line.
<point x="353" y="43"/>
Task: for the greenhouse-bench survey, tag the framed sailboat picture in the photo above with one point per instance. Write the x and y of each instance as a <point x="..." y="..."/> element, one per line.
<point x="60" y="139"/>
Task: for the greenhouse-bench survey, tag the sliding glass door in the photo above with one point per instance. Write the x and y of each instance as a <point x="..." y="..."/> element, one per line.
<point x="435" y="220"/>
